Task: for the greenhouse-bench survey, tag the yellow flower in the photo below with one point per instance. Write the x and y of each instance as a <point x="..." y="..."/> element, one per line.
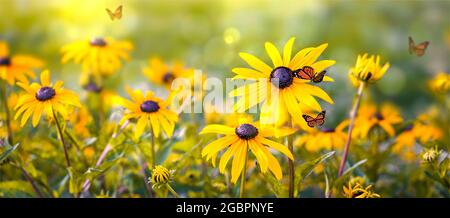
<point x="98" y="56"/>
<point x="44" y="98"/>
<point x="369" y="117"/>
<point x="430" y="155"/>
<point x="238" y="140"/>
<point x="161" y="175"/>
<point x="356" y="190"/>
<point x="150" y="110"/>
<point x="12" y="101"/>
<point x="81" y="118"/>
<point x="440" y="84"/>
<point x="163" y="74"/>
<point x="325" y="138"/>
<point x="367" y="69"/>
<point x="294" y="94"/>
<point x="419" y="131"/>
<point x="18" y="67"/>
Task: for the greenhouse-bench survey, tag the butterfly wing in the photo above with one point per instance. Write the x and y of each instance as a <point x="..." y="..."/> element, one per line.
<point x="307" y="118"/>
<point x="118" y="12"/>
<point x="319" y="77"/>
<point x="306" y="73"/>
<point x="110" y="13"/>
<point x="411" y="45"/>
<point x="420" y="48"/>
<point x="320" y="119"/>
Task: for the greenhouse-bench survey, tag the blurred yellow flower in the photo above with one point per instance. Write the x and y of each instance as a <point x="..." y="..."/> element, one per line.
<point x="430" y="155"/>
<point x="356" y="190"/>
<point x="17" y="67"/>
<point x="98" y="56"/>
<point x="324" y="138"/>
<point x="440" y="84"/>
<point x="367" y="69"/>
<point x="294" y="93"/>
<point x="149" y="110"/>
<point x="80" y="119"/>
<point x="163" y="74"/>
<point x="369" y="117"/>
<point x="238" y="140"/>
<point x="419" y="131"/>
<point x="44" y="98"/>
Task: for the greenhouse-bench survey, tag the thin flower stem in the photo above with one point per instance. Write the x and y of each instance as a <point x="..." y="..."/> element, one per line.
<point x="244" y="173"/>
<point x="29" y="179"/>
<point x="290" y="141"/>
<point x="153" y="148"/>
<point x="61" y="136"/>
<point x="8" y="115"/>
<point x="106" y="150"/>
<point x="353" y="114"/>
<point x="174" y="193"/>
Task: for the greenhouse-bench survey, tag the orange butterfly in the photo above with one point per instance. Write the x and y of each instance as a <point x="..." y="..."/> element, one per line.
<point x="313" y="122"/>
<point x="308" y="73"/>
<point x="117" y="13"/>
<point x="419" y="49"/>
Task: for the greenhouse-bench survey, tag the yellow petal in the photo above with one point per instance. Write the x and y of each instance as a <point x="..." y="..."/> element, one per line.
<point x="256" y="63"/>
<point x="238" y="162"/>
<point x="217" y="128"/>
<point x="140" y="126"/>
<point x="275" y="145"/>
<point x="274" y="55"/>
<point x="45" y="78"/>
<point x="287" y="51"/>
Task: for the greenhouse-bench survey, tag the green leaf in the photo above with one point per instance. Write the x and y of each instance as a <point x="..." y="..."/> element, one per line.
<point x="327" y="184"/>
<point x="8" y="152"/>
<point x="305" y="169"/>
<point x="354" y="167"/>
<point x="275" y="186"/>
<point x="74" y="181"/>
<point x="93" y="173"/>
<point x="163" y="152"/>
<point x="16" y="186"/>
<point x="339" y="181"/>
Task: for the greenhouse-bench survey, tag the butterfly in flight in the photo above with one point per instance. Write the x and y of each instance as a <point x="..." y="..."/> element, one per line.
<point x="313" y="122"/>
<point x="117" y="13"/>
<point x="419" y="49"/>
<point x="308" y="73"/>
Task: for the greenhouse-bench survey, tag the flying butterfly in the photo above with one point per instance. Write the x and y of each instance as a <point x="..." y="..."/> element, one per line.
<point x="419" y="49"/>
<point x="313" y="122"/>
<point x="117" y="13"/>
<point x="308" y="73"/>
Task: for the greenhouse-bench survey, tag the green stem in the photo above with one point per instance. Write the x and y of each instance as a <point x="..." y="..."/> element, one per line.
<point x="291" y="166"/>
<point x="153" y="148"/>
<point x="8" y="115"/>
<point x="174" y="193"/>
<point x="353" y="113"/>
<point x="61" y="136"/>
<point x="244" y="172"/>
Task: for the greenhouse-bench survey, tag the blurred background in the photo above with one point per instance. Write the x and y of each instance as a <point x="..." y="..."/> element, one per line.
<point x="208" y="35"/>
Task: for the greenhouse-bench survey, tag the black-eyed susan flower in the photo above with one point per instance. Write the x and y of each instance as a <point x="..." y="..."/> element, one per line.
<point x="323" y="138"/>
<point x="356" y="190"/>
<point x="163" y="74"/>
<point x="17" y="67"/>
<point x="238" y="139"/>
<point x="293" y="93"/>
<point x="98" y="56"/>
<point x="44" y="98"/>
<point x="417" y="132"/>
<point x="151" y="111"/>
<point x="369" y="116"/>
<point x="367" y="69"/>
<point x="440" y="84"/>
<point x="161" y="177"/>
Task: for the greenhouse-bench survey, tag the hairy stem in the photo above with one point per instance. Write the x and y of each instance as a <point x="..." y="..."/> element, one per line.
<point x="61" y="136"/>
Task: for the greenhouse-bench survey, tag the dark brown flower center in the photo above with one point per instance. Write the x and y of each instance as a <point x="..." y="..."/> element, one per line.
<point x="328" y="129"/>
<point x="281" y="77"/>
<point x="246" y="131"/>
<point x="408" y="128"/>
<point x="45" y="93"/>
<point x="98" y="42"/>
<point x="149" y="106"/>
<point x="93" y="87"/>
<point x="5" y="61"/>
<point x="379" y="116"/>
<point x="168" y="77"/>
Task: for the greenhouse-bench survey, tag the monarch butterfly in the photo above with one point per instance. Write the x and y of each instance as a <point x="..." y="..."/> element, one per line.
<point x="313" y="122"/>
<point x="308" y="73"/>
<point x="419" y="49"/>
<point x="117" y="13"/>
